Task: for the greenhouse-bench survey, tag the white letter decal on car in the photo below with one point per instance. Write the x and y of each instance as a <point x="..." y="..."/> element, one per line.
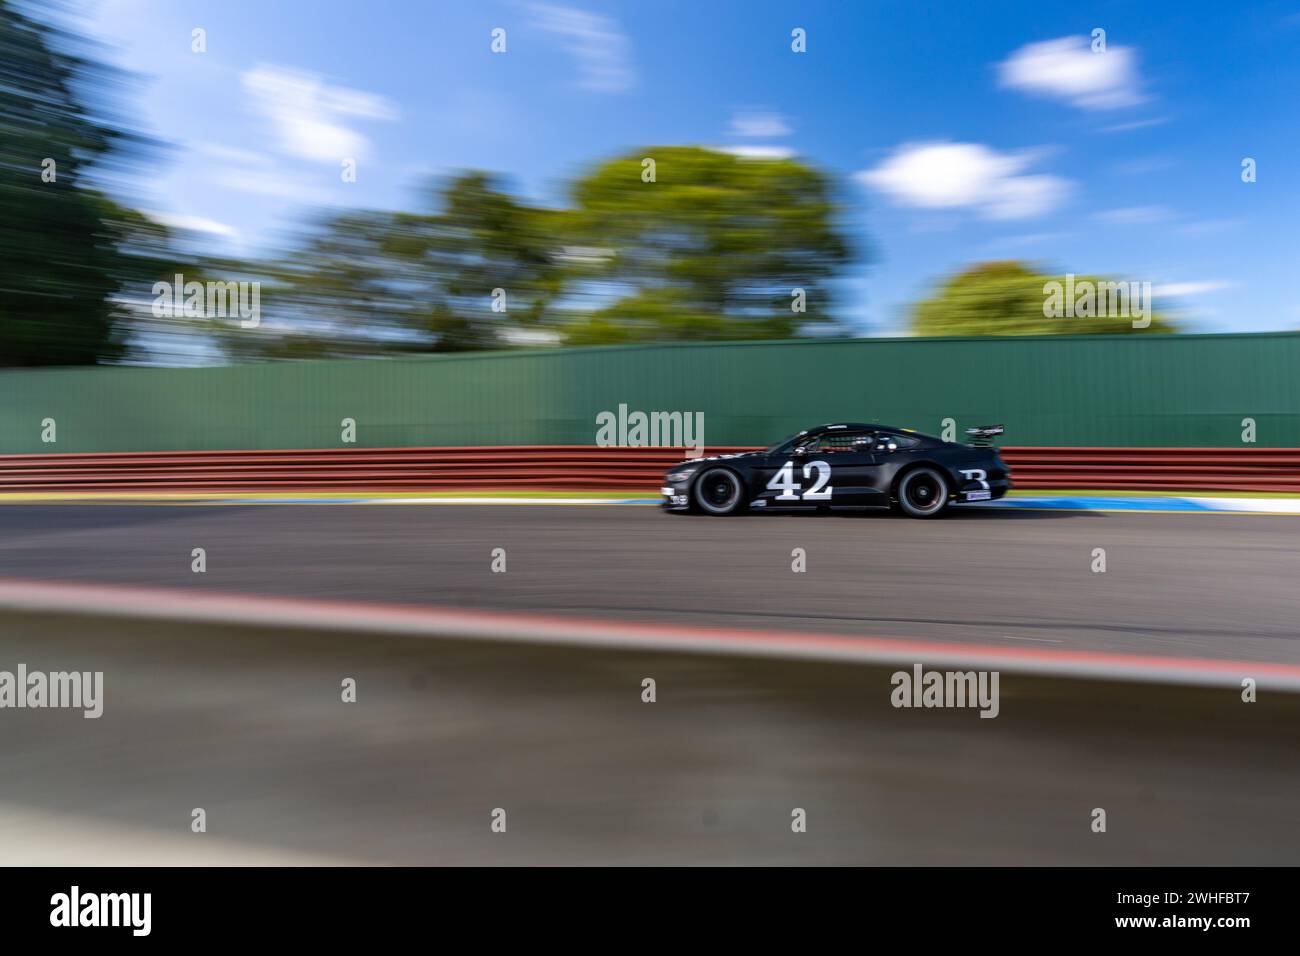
<point x="823" y="476"/>
<point x="783" y="481"/>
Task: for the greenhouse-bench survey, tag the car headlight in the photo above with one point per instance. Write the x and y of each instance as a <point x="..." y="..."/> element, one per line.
<point x="681" y="475"/>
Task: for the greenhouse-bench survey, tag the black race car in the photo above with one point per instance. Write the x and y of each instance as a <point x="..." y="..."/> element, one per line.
<point x="844" y="466"/>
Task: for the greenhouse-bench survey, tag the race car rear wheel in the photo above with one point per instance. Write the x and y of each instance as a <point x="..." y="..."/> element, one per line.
<point x="923" y="493"/>
<point x="718" y="491"/>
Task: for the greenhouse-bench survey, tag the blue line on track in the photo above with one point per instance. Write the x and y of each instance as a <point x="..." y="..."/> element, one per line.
<point x="1102" y="504"/>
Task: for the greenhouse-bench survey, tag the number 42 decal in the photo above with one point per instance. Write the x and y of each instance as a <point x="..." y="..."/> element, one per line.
<point x="784" y="482"/>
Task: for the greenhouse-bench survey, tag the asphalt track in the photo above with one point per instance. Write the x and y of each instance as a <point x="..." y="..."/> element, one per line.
<point x="1203" y="585"/>
<point x="246" y="721"/>
<point x="248" y="724"/>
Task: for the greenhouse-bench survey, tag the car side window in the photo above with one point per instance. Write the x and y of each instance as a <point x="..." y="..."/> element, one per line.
<point x="838" y="441"/>
<point x="901" y="441"/>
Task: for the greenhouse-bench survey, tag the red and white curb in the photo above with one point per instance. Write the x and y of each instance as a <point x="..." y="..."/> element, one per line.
<point x="1099" y="502"/>
<point x="165" y="604"/>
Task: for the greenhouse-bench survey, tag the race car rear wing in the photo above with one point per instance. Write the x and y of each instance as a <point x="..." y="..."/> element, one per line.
<point x="983" y="434"/>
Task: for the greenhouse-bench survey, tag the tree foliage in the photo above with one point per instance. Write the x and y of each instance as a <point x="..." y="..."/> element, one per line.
<point x="378" y="282"/>
<point x="1008" y="298"/>
<point x="713" y="248"/>
<point x="66" y="250"/>
<point x="662" y="243"/>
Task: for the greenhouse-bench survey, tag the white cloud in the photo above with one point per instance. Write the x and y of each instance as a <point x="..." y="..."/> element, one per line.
<point x="229" y="154"/>
<point x="1180" y="289"/>
<point x="1028" y="239"/>
<point x="595" y="41"/>
<point x="305" y="112"/>
<point x="274" y="183"/>
<point x="1145" y="164"/>
<point x="967" y="176"/>
<point x="755" y="151"/>
<point x="1069" y="70"/>
<point x="1136" y="124"/>
<point x="758" y="125"/>
<point x="191" y="223"/>
<point x="1201" y="227"/>
<point x="1134" y="215"/>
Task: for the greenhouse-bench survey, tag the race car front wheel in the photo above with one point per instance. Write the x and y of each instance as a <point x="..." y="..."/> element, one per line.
<point x="718" y="492"/>
<point x="922" y="493"/>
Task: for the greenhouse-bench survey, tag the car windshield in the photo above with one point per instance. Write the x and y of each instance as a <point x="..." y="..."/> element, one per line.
<point x="783" y="442"/>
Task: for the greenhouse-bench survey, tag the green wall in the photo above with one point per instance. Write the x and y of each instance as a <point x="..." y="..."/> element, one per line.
<point x="1054" y="390"/>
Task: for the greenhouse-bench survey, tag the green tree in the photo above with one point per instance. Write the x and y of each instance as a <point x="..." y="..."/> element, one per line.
<point x="65" y="249"/>
<point x="718" y="247"/>
<point x="1010" y="298"/>
<point x="713" y="248"/>
<point x="378" y="283"/>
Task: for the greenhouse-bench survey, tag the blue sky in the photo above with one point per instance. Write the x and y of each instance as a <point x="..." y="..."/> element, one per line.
<point x="957" y="132"/>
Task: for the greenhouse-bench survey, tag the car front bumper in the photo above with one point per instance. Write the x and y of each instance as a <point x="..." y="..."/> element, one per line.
<point x="676" y="495"/>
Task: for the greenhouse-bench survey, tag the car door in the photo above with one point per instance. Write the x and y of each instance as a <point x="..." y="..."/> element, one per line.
<point x="852" y="462"/>
<point x="780" y="480"/>
<point x="833" y="469"/>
